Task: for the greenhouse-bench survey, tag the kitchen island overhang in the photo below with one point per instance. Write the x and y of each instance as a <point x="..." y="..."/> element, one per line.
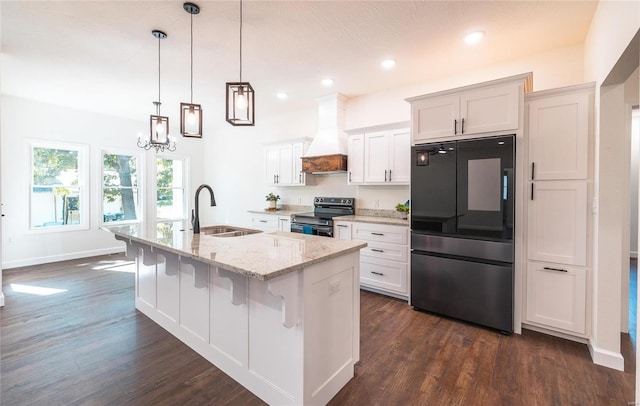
<point x="278" y="312"/>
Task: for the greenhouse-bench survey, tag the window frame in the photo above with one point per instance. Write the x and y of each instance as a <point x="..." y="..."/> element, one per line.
<point x="84" y="192"/>
<point x="140" y="169"/>
<point x="185" y="185"/>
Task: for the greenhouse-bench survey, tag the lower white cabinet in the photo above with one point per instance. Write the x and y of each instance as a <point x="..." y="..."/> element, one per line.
<point x="557" y="297"/>
<point x="270" y="222"/>
<point x="384" y="263"/>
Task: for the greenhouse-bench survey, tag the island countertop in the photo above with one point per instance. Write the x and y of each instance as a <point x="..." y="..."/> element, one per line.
<point x="263" y="256"/>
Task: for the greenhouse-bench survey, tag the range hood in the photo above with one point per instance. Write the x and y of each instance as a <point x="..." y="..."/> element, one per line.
<point x="328" y="150"/>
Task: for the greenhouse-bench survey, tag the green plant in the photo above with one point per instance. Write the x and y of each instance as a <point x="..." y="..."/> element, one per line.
<point x="273" y="198"/>
<point x="402" y="208"/>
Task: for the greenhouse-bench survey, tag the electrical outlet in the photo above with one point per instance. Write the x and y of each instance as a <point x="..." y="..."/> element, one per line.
<point x="334" y="287"/>
<point x="10" y="240"/>
<point x="376" y="204"/>
<point x="299" y="200"/>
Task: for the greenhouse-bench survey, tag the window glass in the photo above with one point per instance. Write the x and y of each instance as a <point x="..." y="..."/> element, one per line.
<point x="120" y="191"/>
<point x="170" y="191"/>
<point x="57" y="195"/>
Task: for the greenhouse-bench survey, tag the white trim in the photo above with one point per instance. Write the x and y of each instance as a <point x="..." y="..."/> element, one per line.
<point x="566" y="336"/>
<point x="606" y="358"/>
<point x="62" y="257"/>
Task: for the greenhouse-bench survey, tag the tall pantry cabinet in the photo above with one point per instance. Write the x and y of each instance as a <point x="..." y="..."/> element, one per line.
<point x="559" y="125"/>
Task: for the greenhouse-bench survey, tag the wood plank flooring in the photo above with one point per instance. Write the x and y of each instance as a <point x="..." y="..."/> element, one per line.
<point x="87" y="345"/>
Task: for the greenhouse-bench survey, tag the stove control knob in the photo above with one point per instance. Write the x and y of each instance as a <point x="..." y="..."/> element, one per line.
<point x="348" y="201"/>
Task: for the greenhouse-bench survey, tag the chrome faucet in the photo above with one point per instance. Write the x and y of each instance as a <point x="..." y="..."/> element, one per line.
<point x="195" y="214"/>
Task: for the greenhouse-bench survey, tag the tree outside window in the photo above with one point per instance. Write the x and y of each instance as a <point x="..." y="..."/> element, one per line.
<point x="120" y="191"/>
<point x="57" y="199"/>
<point x="170" y="188"/>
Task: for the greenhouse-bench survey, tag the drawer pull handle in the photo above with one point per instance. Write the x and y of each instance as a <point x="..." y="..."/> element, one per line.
<point x="341" y="225"/>
<point x="380" y="234"/>
<point x="555" y="269"/>
<point x="377" y="273"/>
<point x="376" y="250"/>
<point x="263" y="221"/>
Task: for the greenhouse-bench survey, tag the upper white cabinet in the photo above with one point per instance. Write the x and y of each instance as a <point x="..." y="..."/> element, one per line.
<point x="283" y="166"/>
<point x="355" y="160"/>
<point x="380" y="158"/>
<point x="558" y="128"/>
<point x="481" y="108"/>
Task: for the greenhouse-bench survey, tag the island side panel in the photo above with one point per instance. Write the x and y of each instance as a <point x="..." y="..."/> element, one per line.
<point x="332" y="319"/>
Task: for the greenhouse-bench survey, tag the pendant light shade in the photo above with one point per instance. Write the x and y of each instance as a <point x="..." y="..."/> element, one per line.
<point x="240" y="96"/>
<point x="158" y="137"/>
<point x="190" y="113"/>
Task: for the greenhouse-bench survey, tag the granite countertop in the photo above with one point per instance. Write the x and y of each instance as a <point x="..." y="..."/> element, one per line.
<point x="395" y="221"/>
<point x="262" y="256"/>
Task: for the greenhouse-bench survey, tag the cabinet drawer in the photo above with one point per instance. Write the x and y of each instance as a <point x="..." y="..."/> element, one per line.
<point x="380" y="232"/>
<point x="383" y="274"/>
<point x="382" y="250"/>
<point x="556" y="296"/>
<point x="265" y="222"/>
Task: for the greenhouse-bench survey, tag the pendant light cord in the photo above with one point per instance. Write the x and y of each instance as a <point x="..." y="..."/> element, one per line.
<point x="159" y="75"/>
<point x="240" y="40"/>
<point x="191" y="58"/>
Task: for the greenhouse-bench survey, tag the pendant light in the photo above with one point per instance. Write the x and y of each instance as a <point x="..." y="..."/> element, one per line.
<point x="191" y="114"/>
<point x="159" y="137"/>
<point x="240" y="96"/>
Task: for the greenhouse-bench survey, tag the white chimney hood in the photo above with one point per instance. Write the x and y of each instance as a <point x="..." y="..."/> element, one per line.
<point x="328" y="150"/>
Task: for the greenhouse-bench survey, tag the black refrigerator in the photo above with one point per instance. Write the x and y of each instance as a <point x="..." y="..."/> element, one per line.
<point x="462" y="227"/>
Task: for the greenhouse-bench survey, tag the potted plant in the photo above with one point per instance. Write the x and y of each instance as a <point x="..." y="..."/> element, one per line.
<point x="272" y="199"/>
<point x="403" y="208"/>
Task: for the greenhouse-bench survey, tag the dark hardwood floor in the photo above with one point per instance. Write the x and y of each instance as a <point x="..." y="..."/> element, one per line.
<point x="87" y="345"/>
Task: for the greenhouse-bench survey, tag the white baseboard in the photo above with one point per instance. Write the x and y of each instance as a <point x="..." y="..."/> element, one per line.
<point x="62" y="257"/>
<point x="606" y="358"/>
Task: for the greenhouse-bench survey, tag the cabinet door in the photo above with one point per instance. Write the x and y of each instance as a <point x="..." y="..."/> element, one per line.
<point x="434" y="117"/>
<point x="272" y="164"/>
<point x="399" y="157"/>
<point x="376" y="157"/>
<point x="557" y="222"/>
<point x="342" y="230"/>
<point x="556" y="296"/>
<point x="355" y="159"/>
<point x="558" y="132"/>
<point x="285" y="165"/>
<point x="490" y="109"/>
<point x="298" y="152"/>
<point x="284" y="223"/>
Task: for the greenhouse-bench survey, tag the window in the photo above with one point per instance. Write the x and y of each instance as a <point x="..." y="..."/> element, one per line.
<point x="120" y="190"/>
<point x="58" y="192"/>
<point x="170" y="188"/>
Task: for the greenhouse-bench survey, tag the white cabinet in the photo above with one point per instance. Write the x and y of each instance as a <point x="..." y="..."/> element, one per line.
<point x="355" y="160"/>
<point x="384" y="264"/>
<point x="558" y="128"/>
<point x="380" y="158"/>
<point x="283" y="166"/>
<point x="472" y="110"/>
<point x="557" y="222"/>
<point x="557" y="297"/>
<point x="342" y="230"/>
<point x="270" y="222"/>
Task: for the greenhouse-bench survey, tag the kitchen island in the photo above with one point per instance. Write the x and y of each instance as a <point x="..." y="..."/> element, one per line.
<point x="278" y="312"/>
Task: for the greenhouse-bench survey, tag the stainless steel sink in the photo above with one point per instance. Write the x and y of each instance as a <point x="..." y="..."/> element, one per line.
<point x="227" y="231"/>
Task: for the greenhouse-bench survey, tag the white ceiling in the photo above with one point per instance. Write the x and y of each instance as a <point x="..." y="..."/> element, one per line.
<point x="100" y="55"/>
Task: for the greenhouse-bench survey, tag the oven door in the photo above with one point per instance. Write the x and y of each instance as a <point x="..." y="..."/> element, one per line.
<point x="324" y="231"/>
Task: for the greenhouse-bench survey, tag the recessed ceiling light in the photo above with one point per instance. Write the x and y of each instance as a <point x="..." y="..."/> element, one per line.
<point x="282" y="95"/>
<point x="474" y="37"/>
<point x="326" y="82"/>
<point x="388" y="63"/>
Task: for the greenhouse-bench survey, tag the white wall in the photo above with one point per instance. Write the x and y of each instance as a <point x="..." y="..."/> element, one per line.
<point x="613" y="27"/>
<point x="635" y="154"/>
<point x="24" y="119"/>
